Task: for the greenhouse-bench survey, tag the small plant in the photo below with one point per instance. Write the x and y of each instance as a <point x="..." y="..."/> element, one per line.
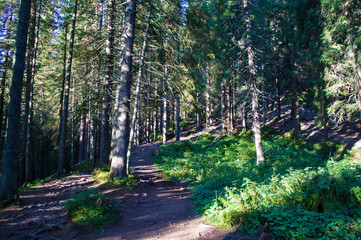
<point x="91" y="209"/>
<point x="102" y="177"/>
<point x="35" y="183"/>
<point x="300" y="191"/>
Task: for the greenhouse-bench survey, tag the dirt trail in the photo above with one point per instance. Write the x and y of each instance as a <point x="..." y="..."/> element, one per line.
<point x="346" y="133"/>
<point x="159" y="209"/>
<point x="41" y="213"/>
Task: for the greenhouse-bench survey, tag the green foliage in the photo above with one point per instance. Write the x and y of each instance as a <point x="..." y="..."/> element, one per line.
<point x="298" y="185"/>
<point x="35" y="183"/>
<point x="102" y="177"/>
<point x="91" y="209"/>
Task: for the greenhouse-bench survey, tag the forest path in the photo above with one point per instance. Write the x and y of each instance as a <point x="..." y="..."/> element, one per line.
<point x="158" y="209"/>
<point x="41" y="213"/>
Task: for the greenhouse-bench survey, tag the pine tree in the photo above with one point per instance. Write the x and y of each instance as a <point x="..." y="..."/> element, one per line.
<point x="10" y="158"/>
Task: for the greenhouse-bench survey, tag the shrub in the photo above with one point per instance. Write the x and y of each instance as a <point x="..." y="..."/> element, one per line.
<point x="298" y="185"/>
<point x="91" y="209"/>
<point x="102" y="177"/>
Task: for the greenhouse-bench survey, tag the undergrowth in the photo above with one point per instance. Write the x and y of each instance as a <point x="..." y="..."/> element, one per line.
<point x="91" y="209"/>
<point x="34" y="183"/>
<point x="101" y="176"/>
<point x="299" y="191"/>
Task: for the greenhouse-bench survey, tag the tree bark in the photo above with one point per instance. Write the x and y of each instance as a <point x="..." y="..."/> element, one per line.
<point x="3" y="81"/>
<point x="164" y="112"/>
<point x="208" y="107"/>
<point x="198" y="113"/>
<point x="10" y="158"/>
<point x="63" y="78"/>
<point x="254" y="92"/>
<point x="121" y="128"/>
<point x="177" y="132"/>
<point x="28" y="117"/>
<point x="223" y="107"/>
<point x="294" y="97"/>
<point x="62" y="155"/>
<point x="137" y="89"/>
<point x="164" y="119"/>
<point x="107" y="93"/>
<point x="229" y="111"/>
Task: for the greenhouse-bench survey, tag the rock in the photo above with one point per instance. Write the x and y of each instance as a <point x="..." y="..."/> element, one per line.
<point x="99" y="202"/>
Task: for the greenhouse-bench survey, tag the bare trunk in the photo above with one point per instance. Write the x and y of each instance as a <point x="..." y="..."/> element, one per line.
<point x="29" y="106"/>
<point x="223" y="108"/>
<point x="294" y="97"/>
<point x="244" y="117"/>
<point x="137" y="89"/>
<point x="121" y="128"/>
<point x="208" y="107"/>
<point x="198" y="117"/>
<point x="10" y="158"/>
<point x="81" y="139"/>
<point x="6" y="65"/>
<point x="72" y="126"/>
<point x="164" y="121"/>
<point x="107" y="93"/>
<point x="177" y="132"/>
<point x="29" y="67"/>
<point x="62" y="154"/>
<point x="229" y="111"/>
<point x="155" y="128"/>
<point x="164" y="117"/>
<point x="254" y="92"/>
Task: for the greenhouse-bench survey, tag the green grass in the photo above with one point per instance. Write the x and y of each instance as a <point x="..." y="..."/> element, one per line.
<point x="298" y="191"/>
<point x="101" y="176"/>
<point x="90" y="209"/>
<point x="35" y="183"/>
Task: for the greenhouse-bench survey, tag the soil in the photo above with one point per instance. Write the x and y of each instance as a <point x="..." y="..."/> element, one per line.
<point x="156" y="209"/>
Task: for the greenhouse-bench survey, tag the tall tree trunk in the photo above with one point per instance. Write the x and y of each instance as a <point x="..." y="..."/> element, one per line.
<point x="156" y="114"/>
<point x="72" y="125"/>
<point x="164" y="119"/>
<point x="275" y="67"/>
<point x="121" y="128"/>
<point x="229" y="110"/>
<point x="208" y="107"/>
<point x="294" y="97"/>
<point x="29" y="67"/>
<point x="62" y="154"/>
<point x="10" y="158"/>
<point x="155" y="127"/>
<point x="177" y="132"/>
<point x="164" y="112"/>
<point x="107" y="93"/>
<point x="6" y="65"/>
<point x="223" y="107"/>
<point x="29" y="95"/>
<point x="244" y="117"/>
<point x="95" y="122"/>
<point x="254" y="92"/>
<point x="63" y="77"/>
<point x="81" y="139"/>
<point x="137" y="89"/>
<point x="198" y="114"/>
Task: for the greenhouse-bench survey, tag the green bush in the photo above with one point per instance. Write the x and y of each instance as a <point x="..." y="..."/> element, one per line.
<point x="102" y="177"/>
<point x="91" y="209"/>
<point x="298" y="184"/>
<point x="35" y="183"/>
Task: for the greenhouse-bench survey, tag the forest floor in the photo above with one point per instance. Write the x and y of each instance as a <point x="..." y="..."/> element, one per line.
<point x="156" y="209"/>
